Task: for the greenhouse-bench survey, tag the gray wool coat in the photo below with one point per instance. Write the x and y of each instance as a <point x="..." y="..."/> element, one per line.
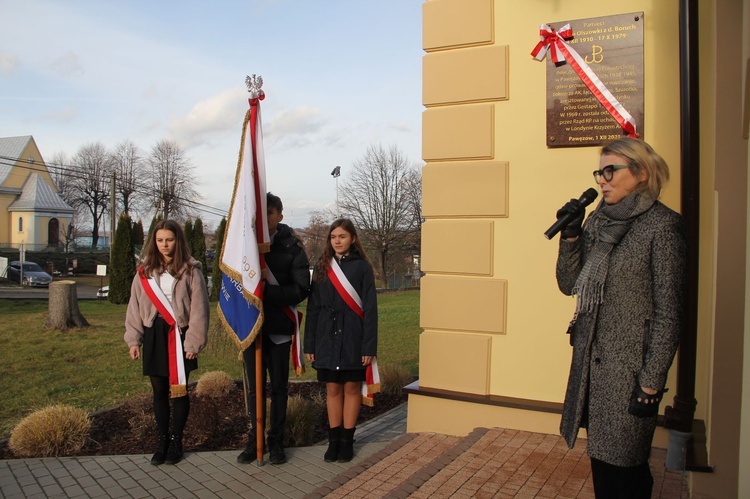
<point x="642" y="307"/>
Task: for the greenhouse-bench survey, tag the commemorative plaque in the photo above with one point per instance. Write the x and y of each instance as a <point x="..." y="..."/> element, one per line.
<point x="612" y="46"/>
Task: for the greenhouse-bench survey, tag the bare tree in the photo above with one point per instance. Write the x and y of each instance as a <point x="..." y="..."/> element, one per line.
<point x="127" y="165"/>
<point x="375" y="198"/>
<point x="90" y="184"/>
<point x="63" y="176"/>
<point x="172" y="178"/>
<point x="314" y="236"/>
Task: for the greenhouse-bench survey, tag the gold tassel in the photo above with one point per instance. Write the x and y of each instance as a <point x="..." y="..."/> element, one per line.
<point x="176" y="391"/>
<point x="299" y="371"/>
<point x="374" y="388"/>
<point x="369" y="402"/>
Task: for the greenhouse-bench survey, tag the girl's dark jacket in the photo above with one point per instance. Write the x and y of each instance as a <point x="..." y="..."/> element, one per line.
<point x="288" y="263"/>
<point x="333" y="331"/>
<point x="632" y="340"/>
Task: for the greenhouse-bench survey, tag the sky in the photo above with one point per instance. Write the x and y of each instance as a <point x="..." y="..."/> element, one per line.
<point x="339" y="76"/>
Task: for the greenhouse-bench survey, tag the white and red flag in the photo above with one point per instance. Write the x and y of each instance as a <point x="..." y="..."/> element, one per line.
<point x="246" y="237"/>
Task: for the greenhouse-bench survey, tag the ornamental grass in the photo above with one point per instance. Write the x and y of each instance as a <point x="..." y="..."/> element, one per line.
<point x="393" y="377"/>
<point x="214" y="384"/>
<point x="56" y="430"/>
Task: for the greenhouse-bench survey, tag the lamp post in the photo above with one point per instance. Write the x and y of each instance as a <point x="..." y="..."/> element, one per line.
<point x="336" y="173"/>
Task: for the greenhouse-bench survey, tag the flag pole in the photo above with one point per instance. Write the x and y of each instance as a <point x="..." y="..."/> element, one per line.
<point x="260" y="399"/>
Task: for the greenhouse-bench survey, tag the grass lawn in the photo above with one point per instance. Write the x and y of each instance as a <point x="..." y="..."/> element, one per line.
<point x="90" y="368"/>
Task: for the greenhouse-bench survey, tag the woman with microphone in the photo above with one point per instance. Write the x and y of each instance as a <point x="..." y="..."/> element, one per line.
<point x="626" y="268"/>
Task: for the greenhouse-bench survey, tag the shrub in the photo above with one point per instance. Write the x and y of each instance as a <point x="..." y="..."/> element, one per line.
<point x="393" y="377"/>
<point x="214" y="384"/>
<point x="300" y="420"/>
<point x="56" y="430"/>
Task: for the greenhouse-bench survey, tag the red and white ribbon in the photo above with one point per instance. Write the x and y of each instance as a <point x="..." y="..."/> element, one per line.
<point x="177" y="378"/>
<point x="295" y="316"/>
<point x="371" y="385"/>
<point x="345" y="288"/>
<point x="560" y="51"/>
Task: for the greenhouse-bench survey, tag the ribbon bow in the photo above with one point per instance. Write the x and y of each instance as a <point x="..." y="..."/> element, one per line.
<point x="560" y="51"/>
<point x="549" y="40"/>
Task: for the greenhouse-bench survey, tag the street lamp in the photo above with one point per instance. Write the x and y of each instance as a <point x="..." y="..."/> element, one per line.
<point x="336" y="173"/>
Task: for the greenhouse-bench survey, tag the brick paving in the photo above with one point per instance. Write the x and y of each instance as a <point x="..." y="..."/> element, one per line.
<point x="388" y="463"/>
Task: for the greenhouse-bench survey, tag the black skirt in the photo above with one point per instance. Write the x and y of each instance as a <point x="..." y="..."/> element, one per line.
<point x="331" y="376"/>
<point x="155" y="350"/>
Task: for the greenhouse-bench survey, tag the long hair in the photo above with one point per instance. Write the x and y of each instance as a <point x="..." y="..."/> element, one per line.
<point x="324" y="262"/>
<point x="153" y="261"/>
<point x="641" y="157"/>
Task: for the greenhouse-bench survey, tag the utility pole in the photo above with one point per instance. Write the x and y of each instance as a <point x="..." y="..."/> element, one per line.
<point x="112" y="219"/>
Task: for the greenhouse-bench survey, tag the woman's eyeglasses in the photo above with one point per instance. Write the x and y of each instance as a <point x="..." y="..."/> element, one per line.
<point x="607" y="172"/>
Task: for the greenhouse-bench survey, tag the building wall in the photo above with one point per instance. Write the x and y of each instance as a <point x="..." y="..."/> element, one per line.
<point x="493" y="319"/>
<point x="491" y="187"/>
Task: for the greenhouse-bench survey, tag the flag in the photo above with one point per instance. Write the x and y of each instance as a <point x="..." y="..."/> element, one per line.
<point x="246" y="237"/>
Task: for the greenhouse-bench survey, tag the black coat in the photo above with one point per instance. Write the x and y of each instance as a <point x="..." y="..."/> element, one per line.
<point x="287" y="261"/>
<point x="337" y="336"/>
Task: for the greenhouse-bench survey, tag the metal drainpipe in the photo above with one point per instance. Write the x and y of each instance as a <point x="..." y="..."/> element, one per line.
<point x="679" y="416"/>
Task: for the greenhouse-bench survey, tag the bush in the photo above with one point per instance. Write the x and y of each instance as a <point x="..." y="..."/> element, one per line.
<point x="214" y="384"/>
<point x="300" y="420"/>
<point x="393" y="377"/>
<point x="57" y="430"/>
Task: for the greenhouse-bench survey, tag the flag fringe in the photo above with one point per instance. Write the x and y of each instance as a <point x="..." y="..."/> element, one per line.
<point x="177" y="391"/>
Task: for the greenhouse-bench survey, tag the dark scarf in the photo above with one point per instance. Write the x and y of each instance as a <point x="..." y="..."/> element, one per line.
<point x="606" y="227"/>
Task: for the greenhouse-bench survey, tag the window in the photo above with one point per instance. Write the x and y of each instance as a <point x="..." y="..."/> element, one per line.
<point x="20" y="224"/>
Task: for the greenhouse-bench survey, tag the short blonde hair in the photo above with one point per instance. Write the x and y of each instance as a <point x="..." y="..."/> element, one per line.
<point x="640" y="157"/>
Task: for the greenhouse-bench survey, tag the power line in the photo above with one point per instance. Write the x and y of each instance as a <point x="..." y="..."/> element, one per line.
<point x="73" y="171"/>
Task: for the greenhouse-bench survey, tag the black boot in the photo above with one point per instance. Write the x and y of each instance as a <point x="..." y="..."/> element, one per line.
<point x="249" y="454"/>
<point x="174" y="453"/>
<point x="276" y="449"/>
<point x="334" y="444"/>
<point x="346" y="453"/>
<point x="162" y="443"/>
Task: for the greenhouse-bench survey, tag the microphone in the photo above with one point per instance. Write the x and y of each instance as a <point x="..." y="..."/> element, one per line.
<point x="586" y="199"/>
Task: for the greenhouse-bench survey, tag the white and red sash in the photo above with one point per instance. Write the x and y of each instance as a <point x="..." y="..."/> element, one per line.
<point x="177" y="378"/>
<point x="295" y="316"/>
<point x="346" y="291"/>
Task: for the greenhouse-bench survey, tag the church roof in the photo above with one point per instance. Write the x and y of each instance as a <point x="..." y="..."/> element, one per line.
<point x="37" y="195"/>
<point x="11" y="149"/>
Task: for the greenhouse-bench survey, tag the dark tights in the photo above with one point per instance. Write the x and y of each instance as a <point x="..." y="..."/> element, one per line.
<point x="180" y="407"/>
<point x="618" y="482"/>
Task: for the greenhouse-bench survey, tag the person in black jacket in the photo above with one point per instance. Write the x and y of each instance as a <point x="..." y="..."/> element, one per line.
<point x="287" y="266"/>
<point x="341" y="332"/>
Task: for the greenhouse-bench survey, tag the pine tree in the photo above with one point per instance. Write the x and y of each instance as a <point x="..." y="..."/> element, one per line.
<point x="216" y="273"/>
<point x="122" y="266"/>
<point x="138" y="234"/>
<point x="199" y="242"/>
<point x="190" y="237"/>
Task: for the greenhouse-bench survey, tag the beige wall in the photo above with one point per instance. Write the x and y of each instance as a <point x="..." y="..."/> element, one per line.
<point x="493" y="318"/>
<point x="491" y="187"/>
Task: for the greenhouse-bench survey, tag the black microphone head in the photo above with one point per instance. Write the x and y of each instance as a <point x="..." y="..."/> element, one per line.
<point x="588" y="196"/>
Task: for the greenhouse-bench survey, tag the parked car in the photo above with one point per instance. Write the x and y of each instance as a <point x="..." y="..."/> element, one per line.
<point x="102" y="292"/>
<point x="33" y="274"/>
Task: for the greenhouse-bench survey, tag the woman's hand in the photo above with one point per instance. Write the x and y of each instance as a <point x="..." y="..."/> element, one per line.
<point x="310" y="357"/>
<point x="135" y="352"/>
<point x="367" y="360"/>
<point x="191" y="355"/>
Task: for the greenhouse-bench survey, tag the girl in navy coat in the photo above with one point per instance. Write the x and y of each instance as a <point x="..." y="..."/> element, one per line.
<point x="341" y="332"/>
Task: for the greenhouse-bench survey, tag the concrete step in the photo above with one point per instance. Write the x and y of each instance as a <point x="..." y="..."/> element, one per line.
<point x="486" y="463"/>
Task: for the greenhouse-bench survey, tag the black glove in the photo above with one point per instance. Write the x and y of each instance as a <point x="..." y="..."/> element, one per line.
<point x="644" y="405"/>
<point x="573" y="229"/>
